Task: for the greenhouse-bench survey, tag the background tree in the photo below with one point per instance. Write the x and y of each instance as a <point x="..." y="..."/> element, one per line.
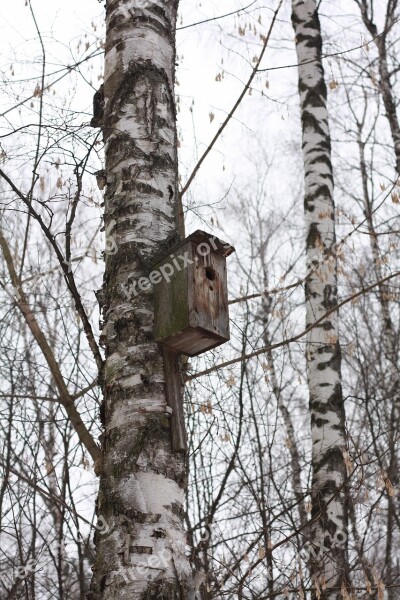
<point x="323" y="352"/>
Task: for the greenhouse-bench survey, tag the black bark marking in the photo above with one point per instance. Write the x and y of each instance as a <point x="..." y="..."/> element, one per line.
<point x="159" y="533"/>
<point x="150" y="22"/>
<point x="314" y="237"/>
<point x="329" y="301"/>
<point x="98" y="108"/>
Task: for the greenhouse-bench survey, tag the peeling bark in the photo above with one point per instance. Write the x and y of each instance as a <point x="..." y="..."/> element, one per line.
<point x="329" y="505"/>
<point x="141" y="550"/>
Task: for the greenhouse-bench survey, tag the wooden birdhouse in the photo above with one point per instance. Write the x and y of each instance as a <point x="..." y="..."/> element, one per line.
<point x="191" y="299"/>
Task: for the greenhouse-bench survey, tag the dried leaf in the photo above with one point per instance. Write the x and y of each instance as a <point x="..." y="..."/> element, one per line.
<point x="206" y="408"/>
<point x="344" y="592"/>
<point x="212" y="116"/>
<point x="347" y="461"/>
<point x="230" y="381"/>
<point x="368" y="586"/>
<point x="48" y="466"/>
<point x="389" y="487"/>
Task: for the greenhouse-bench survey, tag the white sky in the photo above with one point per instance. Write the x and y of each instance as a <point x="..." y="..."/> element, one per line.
<point x="267" y="123"/>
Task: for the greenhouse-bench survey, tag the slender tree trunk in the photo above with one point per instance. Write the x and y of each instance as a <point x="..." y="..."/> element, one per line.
<point x="385" y="85"/>
<point x="329" y="505"/>
<point x="141" y="543"/>
<point x="390" y="352"/>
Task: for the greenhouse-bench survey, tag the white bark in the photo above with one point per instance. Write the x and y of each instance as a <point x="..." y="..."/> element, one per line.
<point x="141" y="552"/>
<point x="329" y="506"/>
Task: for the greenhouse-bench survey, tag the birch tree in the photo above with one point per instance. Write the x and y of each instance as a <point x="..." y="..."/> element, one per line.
<point x="141" y="496"/>
<point x="323" y="354"/>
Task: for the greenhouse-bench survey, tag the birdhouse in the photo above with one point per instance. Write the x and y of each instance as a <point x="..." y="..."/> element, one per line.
<point x="191" y="296"/>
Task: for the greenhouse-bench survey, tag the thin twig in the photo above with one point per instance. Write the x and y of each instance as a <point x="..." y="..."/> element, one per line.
<point x="234" y="12"/>
<point x="68" y="403"/>
<point x="235" y="106"/>
<point x="296" y="337"/>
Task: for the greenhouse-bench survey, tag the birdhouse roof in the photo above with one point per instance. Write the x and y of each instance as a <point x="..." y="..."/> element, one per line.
<point x="218" y="246"/>
<point x="199" y="237"/>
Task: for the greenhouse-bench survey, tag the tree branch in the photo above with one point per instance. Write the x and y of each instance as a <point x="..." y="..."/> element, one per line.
<point x="296" y="337"/>
<point x="65" y="399"/>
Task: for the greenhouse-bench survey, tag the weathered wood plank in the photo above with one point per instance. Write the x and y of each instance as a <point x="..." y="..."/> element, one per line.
<point x="174" y="393"/>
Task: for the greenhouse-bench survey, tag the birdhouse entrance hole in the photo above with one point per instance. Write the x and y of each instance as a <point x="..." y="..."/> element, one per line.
<point x="210" y="273"/>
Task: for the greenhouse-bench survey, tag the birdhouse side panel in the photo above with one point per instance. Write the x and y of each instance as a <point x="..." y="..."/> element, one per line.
<point x="171" y="314"/>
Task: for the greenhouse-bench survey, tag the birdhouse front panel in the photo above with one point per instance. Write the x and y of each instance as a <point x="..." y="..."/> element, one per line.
<point x="209" y="302"/>
<point x="191" y="303"/>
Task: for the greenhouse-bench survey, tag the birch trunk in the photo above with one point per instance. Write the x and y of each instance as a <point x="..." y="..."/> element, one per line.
<point x="141" y="541"/>
<point x="329" y="506"/>
<point x="385" y="85"/>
